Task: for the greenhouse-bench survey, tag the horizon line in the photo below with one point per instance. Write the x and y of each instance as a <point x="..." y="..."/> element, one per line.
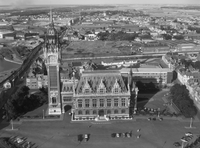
<point x="108" y="4"/>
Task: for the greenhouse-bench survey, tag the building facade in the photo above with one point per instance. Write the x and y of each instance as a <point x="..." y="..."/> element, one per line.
<point x="101" y="95"/>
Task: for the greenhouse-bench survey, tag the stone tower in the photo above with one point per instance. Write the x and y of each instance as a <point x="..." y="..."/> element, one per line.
<point x="52" y="60"/>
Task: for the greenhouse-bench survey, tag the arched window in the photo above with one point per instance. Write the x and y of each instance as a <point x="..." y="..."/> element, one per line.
<point x="53" y="100"/>
<point x="116" y="111"/>
<point x="108" y="111"/>
<point x="80" y="112"/>
<point x="94" y="112"/>
<point x="123" y="111"/>
<point x="87" y="112"/>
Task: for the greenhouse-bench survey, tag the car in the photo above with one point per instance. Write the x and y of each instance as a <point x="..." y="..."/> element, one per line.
<point x="123" y="135"/>
<point x="188" y="134"/>
<point x="188" y="138"/>
<point x="183" y="139"/>
<point x="113" y="135"/>
<point x="177" y="144"/>
<point x="149" y="119"/>
<point x="86" y="137"/>
<point x="138" y="136"/>
<point x="118" y="135"/>
<point x="128" y="135"/>
<point x="161" y="119"/>
<point x="154" y="119"/>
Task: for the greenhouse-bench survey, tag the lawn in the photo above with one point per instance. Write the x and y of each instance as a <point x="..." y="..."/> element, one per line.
<point x="95" y="48"/>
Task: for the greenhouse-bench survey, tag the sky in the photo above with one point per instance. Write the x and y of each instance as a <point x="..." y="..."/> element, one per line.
<point x="50" y="2"/>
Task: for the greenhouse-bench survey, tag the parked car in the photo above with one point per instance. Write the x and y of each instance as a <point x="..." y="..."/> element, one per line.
<point x="128" y="135"/>
<point x="118" y="135"/>
<point x="161" y="119"/>
<point x="154" y="119"/>
<point x="188" y="134"/>
<point x="177" y="144"/>
<point x="113" y="135"/>
<point x="86" y="137"/>
<point x="123" y="135"/>
<point x="184" y="140"/>
<point x="149" y="119"/>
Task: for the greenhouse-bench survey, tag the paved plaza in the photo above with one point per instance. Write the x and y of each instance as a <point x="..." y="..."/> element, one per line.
<point x="62" y="134"/>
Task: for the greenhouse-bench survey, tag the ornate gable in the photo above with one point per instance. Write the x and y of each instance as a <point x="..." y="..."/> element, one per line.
<point x="86" y="88"/>
<point x="116" y="87"/>
<point x="101" y="82"/>
<point x="101" y="89"/>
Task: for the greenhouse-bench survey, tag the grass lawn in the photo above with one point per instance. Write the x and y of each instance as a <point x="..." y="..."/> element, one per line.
<point x="95" y="48"/>
<point x="62" y="134"/>
<point x="155" y="100"/>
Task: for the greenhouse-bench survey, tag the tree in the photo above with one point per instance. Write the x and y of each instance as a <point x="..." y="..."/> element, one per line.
<point x="197" y="65"/>
<point x="180" y="96"/>
<point x="178" y="37"/>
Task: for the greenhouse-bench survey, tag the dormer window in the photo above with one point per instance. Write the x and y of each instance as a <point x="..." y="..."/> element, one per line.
<point x="116" y="88"/>
<point x="102" y="88"/>
<point x="87" y="91"/>
<point x="86" y="88"/>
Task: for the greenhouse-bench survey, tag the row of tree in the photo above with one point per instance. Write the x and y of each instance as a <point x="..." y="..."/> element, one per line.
<point x="22" y="102"/>
<point x="119" y="36"/>
<point x="180" y="97"/>
<point x="197" y="29"/>
<point x="188" y="63"/>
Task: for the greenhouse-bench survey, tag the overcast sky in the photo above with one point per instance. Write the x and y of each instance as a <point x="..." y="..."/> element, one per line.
<point x="48" y="2"/>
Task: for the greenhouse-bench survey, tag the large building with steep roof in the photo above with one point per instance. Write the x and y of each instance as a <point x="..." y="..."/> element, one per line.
<point x="101" y="94"/>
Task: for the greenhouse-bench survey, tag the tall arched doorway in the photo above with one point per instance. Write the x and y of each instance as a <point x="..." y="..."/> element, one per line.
<point x="101" y="112"/>
<point x="67" y="108"/>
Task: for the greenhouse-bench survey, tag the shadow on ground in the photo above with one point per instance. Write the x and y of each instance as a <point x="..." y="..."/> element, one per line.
<point x="3" y="122"/>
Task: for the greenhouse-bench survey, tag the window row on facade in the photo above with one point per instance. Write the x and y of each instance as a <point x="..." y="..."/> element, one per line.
<point x="101" y="103"/>
<point x="107" y="112"/>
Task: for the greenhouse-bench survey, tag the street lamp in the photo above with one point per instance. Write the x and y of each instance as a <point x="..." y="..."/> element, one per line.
<point x="43" y="114"/>
<point x="158" y="112"/>
<point x="191" y="122"/>
<point x="136" y="95"/>
<point x="183" y="143"/>
<point x="12" y="125"/>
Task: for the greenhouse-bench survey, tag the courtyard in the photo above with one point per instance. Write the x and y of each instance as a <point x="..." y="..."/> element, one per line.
<point x="62" y="134"/>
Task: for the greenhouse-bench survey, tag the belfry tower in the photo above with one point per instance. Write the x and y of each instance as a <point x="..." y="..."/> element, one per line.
<point x="52" y="60"/>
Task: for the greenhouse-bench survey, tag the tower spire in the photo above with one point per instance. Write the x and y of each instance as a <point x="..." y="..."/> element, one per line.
<point x="51" y="16"/>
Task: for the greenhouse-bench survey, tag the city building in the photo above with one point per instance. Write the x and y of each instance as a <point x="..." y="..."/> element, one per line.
<point x="36" y="82"/>
<point x="101" y="95"/>
<point x="147" y="75"/>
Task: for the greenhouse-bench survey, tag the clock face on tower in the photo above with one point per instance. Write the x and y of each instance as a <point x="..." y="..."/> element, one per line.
<point x="52" y="59"/>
